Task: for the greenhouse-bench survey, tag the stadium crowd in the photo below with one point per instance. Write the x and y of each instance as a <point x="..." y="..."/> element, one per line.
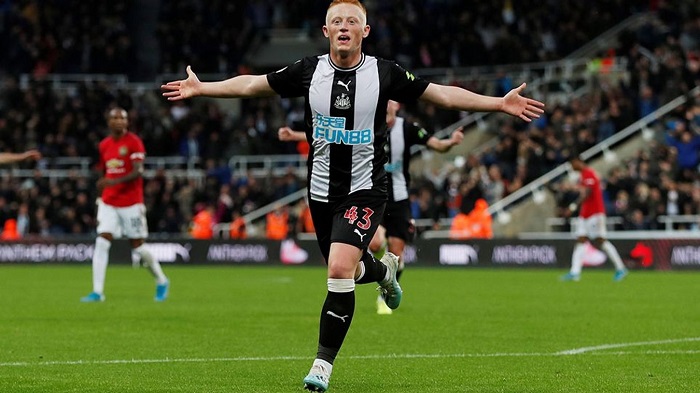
<point x="72" y="36"/>
<point x="68" y="122"/>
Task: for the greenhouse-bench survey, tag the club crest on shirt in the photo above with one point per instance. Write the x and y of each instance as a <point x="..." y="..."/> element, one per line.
<point x="123" y="150"/>
<point x="114" y="163"/>
<point x="342" y="101"/>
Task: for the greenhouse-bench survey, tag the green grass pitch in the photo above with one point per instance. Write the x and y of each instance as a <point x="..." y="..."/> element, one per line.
<point x="254" y="329"/>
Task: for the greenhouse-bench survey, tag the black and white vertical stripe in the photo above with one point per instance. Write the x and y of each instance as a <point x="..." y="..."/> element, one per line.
<point x="341" y="169"/>
<point x="397" y="142"/>
<point x="345" y="119"/>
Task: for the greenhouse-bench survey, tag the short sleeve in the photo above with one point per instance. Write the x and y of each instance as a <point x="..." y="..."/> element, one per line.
<point x="405" y="87"/>
<point x="288" y="81"/>
<point x="138" y="151"/>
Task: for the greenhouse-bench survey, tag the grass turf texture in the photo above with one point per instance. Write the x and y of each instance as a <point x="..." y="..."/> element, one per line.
<point x="254" y="329"/>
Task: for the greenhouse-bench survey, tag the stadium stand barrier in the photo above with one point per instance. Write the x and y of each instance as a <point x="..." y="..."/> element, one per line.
<point x="643" y="250"/>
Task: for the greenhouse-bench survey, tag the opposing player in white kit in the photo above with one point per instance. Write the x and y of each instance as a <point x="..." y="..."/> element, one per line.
<point x="120" y="210"/>
<point x="591" y="225"/>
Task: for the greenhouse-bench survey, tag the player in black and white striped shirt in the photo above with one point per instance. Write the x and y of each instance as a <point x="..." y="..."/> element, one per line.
<point x="397" y="224"/>
<point x="396" y="227"/>
<point x="346" y="94"/>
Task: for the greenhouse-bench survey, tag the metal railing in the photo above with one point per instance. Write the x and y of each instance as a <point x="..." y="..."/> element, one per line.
<point x="537" y="184"/>
<point x="69" y="167"/>
<point x="610" y="222"/>
<point x="222" y="229"/>
<point x="670" y="221"/>
<point x="262" y="166"/>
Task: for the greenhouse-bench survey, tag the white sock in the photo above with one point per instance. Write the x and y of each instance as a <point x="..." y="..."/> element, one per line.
<point x="577" y="259"/>
<point x="100" y="259"/>
<point x="324" y="364"/>
<point x="152" y="263"/>
<point x="613" y="255"/>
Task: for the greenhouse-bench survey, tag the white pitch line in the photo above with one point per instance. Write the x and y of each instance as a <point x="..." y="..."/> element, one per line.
<point x="577" y="351"/>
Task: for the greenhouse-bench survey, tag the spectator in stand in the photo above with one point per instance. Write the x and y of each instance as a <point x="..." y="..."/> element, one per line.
<point x="494" y="187"/>
<point x="277" y="223"/>
<point x="636" y="221"/>
<point x="686" y="143"/>
<point x="476" y="224"/>
<point x="9" y="231"/>
<point x="202" y="226"/>
<point x="171" y="222"/>
<point x="237" y="229"/>
<point x="305" y="223"/>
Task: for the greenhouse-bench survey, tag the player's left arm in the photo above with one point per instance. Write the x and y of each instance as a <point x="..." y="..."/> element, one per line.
<point x="444" y="145"/>
<point x="135" y="173"/>
<point x="457" y="98"/>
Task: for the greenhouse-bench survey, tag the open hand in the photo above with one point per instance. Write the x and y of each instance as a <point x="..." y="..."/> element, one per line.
<point x="522" y="107"/>
<point x="186" y="88"/>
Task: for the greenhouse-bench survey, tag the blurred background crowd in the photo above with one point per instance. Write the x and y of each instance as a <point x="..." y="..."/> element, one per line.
<point x="145" y="39"/>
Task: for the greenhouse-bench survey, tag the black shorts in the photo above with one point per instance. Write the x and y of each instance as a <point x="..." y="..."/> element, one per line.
<point x="351" y="220"/>
<point x="397" y="221"/>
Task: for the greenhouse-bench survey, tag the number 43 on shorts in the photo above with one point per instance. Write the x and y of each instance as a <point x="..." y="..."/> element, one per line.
<point x="365" y="222"/>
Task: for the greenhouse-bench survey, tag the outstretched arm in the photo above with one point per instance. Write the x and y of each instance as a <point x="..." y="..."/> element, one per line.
<point x="286" y="134"/>
<point x="453" y="97"/>
<point x="239" y="86"/>
<point x="443" y="145"/>
<point x="7" y="158"/>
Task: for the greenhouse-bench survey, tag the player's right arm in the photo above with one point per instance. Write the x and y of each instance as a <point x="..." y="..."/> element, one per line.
<point x="7" y="158"/>
<point x="236" y="87"/>
<point x="286" y="134"/>
<point x="583" y="192"/>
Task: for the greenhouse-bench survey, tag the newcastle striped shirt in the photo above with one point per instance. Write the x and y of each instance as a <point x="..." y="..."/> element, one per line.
<point x="345" y="119"/>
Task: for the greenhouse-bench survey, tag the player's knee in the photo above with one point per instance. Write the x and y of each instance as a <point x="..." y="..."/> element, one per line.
<point x="375" y="245"/>
<point x="136" y="243"/>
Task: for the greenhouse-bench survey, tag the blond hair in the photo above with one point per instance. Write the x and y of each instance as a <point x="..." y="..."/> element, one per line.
<point x="352" y="2"/>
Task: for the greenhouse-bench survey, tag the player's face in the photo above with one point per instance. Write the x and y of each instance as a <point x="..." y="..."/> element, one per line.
<point x="117" y="121"/>
<point x="577" y="165"/>
<point x="345" y="28"/>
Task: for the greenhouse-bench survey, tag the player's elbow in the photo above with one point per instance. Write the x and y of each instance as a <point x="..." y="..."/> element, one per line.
<point x="440" y="96"/>
<point x="446" y="101"/>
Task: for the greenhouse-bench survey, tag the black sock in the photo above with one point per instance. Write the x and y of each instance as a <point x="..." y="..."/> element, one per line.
<point x="375" y="271"/>
<point x="398" y="274"/>
<point x="336" y="316"/>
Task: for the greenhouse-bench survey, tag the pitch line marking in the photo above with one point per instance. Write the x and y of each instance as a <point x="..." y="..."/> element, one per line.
<point x="577" y="351"/>
<point x="571" y="352"/>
